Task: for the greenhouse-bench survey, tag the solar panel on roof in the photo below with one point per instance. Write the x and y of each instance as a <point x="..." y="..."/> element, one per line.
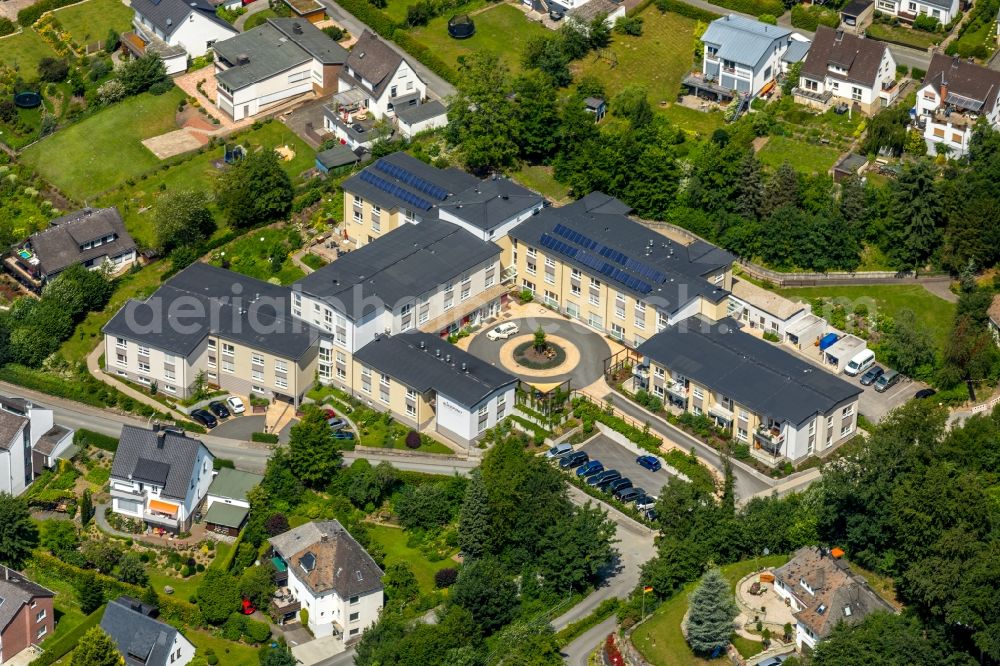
<point x="395" y="190"/>
<point x="412" y="179"/>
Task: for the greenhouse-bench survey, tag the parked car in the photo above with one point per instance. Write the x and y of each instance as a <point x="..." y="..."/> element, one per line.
<point x="924" y="393"/>
<point x="204" y="417"/>
<point x="645" y="502"/>
<point x="627" y="495"/>
<point x="590" y="467"/>
<point x="652" y="463"/>
<point x="602" y="480"/>
<point x="219" y="408"/>
<point x="575" y="459"/>
<point x="337" y="423"/>
<point x="329" y="413"/>
<point x="773" y="661"/>
<point x="887" y="380"/>
<point x="247" y="607"/>
<point x="619" y="484"/>
<point x="503" y="331"/>
<point x="869" y="377"/>
<point x="343" y="434"/>
<point x="650" y="514"/>
<point x="558" y="450"/>
<point x="235" y="405"/>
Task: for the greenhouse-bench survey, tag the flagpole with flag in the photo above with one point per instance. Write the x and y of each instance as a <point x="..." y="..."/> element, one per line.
<point x="645" y="590"/>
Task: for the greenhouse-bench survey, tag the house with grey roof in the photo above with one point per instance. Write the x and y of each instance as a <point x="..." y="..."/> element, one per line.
<point x="172" y="27"/>
<point x="141" y="639"/>
<point x="376" y="83"/>
<point x="94" y="238"/>
<point x="491" y="208"/>
<point x="228" y="501"/>
<point x="943" y="10"/>
<point x="30" y="442"/>
<point x="431" y="383"/>
<point x="956" y="93"/>
<point x="843" y="68"/>
<point x="159" y="476"/>
<point x="26" y="615"/>
<point x="323" y="570"/>
<point x="777" y="404"/>
<point x="742" y="55"/>
<point x="283" y="59"/>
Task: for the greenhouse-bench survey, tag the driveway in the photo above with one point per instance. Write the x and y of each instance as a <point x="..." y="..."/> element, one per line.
<point x="592" y="347"/>
<point x="307" y="122"/>
<point x="615" y="456"/>
<point x="316" y="650"/>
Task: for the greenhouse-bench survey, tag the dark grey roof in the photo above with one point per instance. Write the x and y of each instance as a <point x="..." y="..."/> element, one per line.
<point x="58" y="246"/>
<point x="425" y="362"/>
<point x="367" y="186"/>
<point x="168" y="15"/>
<point x="10" y="426"/>
<point x="48" y="442"/>
<point x="856" y="7"/>
<point x="674" y="273"/>
<point x="421" y="112"/>
<point x="593" y="103"/>
<point x="749" y="370"/>
<point x="340" y="563"/>
<point x="141" y="640"/>
<point x="969" y="86"/>
<point x="374" y="60"/>
<point x="275" y="47"/>
<point x="399" y="266"/>
<point x="338" y="156"/>
<point x="860" y="57"/>
<point x="591" y="10"/>
<point x="851" y="163"/>
<point x="16" y="591"/>
<point x="490" y="203"/>
<point x="173" y="466"/>
<point x="249" y="311"/>
<point x="19" y="406"/>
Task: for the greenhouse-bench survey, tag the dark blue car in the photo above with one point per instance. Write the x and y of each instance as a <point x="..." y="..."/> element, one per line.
<point x="652" y="463"/>
<point x="589" y="468"/>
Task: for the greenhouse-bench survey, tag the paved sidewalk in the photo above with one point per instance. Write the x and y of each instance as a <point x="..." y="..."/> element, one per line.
<point x="94" y="367"/>
<point x="254" y="8"/>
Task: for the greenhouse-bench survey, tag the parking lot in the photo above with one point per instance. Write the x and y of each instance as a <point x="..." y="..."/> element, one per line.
<point x="875" y="405"/>
<point x="615" y="456"/>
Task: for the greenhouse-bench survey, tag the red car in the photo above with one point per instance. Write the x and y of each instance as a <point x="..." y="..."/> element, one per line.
<point x="329" y="413"/>
<point x="247" y="607"/>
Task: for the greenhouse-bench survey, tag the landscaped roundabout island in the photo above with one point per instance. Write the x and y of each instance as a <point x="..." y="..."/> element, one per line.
<point x="539" y="353"/>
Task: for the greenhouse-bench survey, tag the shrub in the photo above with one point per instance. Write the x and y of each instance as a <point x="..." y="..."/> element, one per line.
<point x="926" y="22"/>
<point x="629" y="25"/>
<point x="902" y="70"/>
<point x="526" y="296"/>
<point x="335" y="33"/>
<point x="445" y="577"/>
<point x="232" y="630"/>
<point x="413" y="440"/>
<point x="256" y="632"/>
<point x="7" y="26"/>
<point x="918" y="74"/>
<point x="53" y="70"/>
<point x="264" y="437"/>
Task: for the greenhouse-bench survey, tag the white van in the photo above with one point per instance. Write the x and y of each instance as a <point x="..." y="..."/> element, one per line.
<point x="861" y="362"/>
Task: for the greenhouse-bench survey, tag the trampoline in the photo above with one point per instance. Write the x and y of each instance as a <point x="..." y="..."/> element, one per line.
<point x="28" y="100"/>
<point x="461" y="27"/>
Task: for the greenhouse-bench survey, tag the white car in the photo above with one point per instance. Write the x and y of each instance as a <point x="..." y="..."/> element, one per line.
<point x="235" y="405"/>
<point x="503" y="331"/>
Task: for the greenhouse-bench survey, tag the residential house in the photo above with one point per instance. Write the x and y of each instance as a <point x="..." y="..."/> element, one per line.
<point x="555" y="8"/>
<point x="843" y="68"/>
<point x="955" y="94"/>
<point x="822" y="592"/>
<point x="375" y="84"/>
<point x="29" y="442"/>
<point x="592" y="262"/>
<point x="780" y="406"/>
<point x="142" y="640"/>
<point x="95" y="238"/>
<point x="434" y="384"/>
<point x="743" y="56"/>
<point x="857" y="15"/>
<point x="236" y="330"/>
<point x="26" y="614"/>
<point x="168" y="27"/>
<point x="227" y="503"/>
<point x="944" y="11"/>
<point x="323" y="570"/>
<point x="282" y="59"/>
<point x="159" y="477"/>
<point x="765" y="310"/>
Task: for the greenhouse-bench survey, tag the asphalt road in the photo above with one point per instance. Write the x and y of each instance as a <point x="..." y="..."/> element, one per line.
<point x="577" y="652"/>
<point x="592" y="347"/>
<point x="615" y="456"/>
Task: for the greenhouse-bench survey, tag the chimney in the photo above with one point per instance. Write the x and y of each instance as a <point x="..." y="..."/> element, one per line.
<point x="161" y="438"/>
<point x="156" y="426"/>
<point x="324" y="537"/>
<point x="297" y="28"/>
<point x="243" y="59"/>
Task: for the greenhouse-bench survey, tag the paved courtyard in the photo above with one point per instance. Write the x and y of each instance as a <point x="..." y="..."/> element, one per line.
<point x="615" y="456"/>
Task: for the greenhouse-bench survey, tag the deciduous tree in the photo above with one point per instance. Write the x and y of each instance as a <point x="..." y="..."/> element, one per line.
<point x="18" y="534"/>
<point x="255" y="190"/>
<point x="182" y="219"/>
<point x="313" y="455"/>
<point x="487" y="592"/>
<point x="96" y="648"/>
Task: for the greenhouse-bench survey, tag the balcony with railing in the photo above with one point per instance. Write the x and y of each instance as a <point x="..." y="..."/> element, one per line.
<point x="721" y="412"/>
<point x="126" y="493"/>
<point x="161" y="519"/>
<point x="769" y="439"/>
<point x="284" y="603"/>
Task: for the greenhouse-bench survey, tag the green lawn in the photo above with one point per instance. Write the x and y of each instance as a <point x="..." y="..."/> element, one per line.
<point x="540" y="179"/>
<point x="101" y="151"/>
<point x="804" y="157"/>
<point x="259" y="19"/>
<point x="198" y="173"/>
<point x="908" y="36"/>
<point x="252" y="255"/>
<point x="183" y="587"/>
<point x="90" y="21"/>
<point x="132" y="285"/>
<point x="502" y="29"/>
<point x="393" y="540"/>
<point x="692" y="120"/>
<point x="396" y="10"/>
<point x="657" y="60"/>
<point x="228" y="652"/>
<point x="660" y="639"/>
<point x="23" y="51"/>
<point x="934" y="313"/>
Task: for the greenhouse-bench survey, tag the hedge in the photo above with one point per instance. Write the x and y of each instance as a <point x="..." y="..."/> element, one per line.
<point x="426" y="56"/>
<point x="809" y="18"/>
<point x="684" y="9"/>
<point x="27" y="16"/>
<point x="63" y="645"/>
<point x="226" y="562"/>
<point x="7" y="27"/>
<point x="367" y="13"/>
<point x="84" y="438"/>
<point x="264" y="437"/>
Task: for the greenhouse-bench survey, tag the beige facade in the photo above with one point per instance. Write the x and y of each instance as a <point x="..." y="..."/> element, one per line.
<point x="385" y="393"/>
<point x="365" y="221"/>
<point x="245" y="370"/>
<point x="600" y="304"/>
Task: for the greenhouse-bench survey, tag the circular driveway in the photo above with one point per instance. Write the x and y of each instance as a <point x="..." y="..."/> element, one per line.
<point x="591" y="345"/>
